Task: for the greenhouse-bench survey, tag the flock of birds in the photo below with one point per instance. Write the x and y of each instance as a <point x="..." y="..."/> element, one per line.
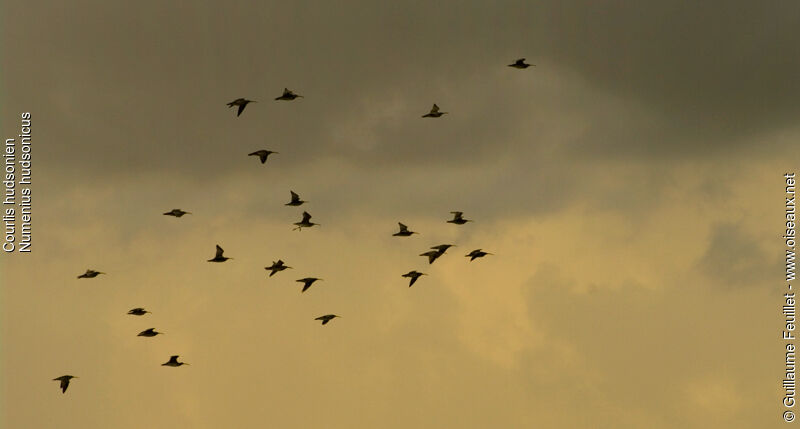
<point x="277" y="266"/>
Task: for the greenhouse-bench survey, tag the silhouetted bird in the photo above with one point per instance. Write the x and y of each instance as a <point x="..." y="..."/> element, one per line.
<point x="176" y="213"/>
<point x="404" y="232"/>
<point x="173" y="361"/>
<point x="288" y="95"/>
<point x="520" y="64"/>
<point x="413" y="275"/>
<point x="443" y="247"/>
<point x="276" y="266"/>
<point x="149" y="333"/>
<point x="307" y="282"/>
<point x="434" y="113"/>
<point x="477" y="253"/>
<point x="327" y="318"/>
<point x="241" y="102"/>
<point x="458" y="218"/>
<point x="90" y="274"/>
<point x="64" y="379"/>
<point x="305" y="223"/>
<point x="138" y="311"/>
<point x="432" y="255"/>
<point x="218" y="257"/>
<point x="296" y="201"/>
<point x="436" y="252"/>
<point x="262" y="154"/>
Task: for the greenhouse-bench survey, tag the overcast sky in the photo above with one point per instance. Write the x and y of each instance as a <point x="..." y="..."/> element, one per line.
<point x="630" y="187"/>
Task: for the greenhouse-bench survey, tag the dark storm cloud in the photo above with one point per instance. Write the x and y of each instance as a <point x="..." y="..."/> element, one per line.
<point x="143" y="87"/>
<point x="729" y="66"/>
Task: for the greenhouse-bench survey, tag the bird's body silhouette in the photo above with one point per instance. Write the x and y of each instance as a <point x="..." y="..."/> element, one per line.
<point x="296" y="201"/>
<point x="90" y="274"/>
<point x="138" y="311"/>
<point x="275" y="267"/>
<point x="458" y="218"/>
<point x="442" y="247"/>
<point x="413" y="275"/>
<point x="307" y="282"/>
<point x="64" y="379"/>
<point x="434" y="113"/>
<point x="477" y="253"/>
<point x="176" y="213"/>
<point x="404" y="232"/>
<point x="218" y="256"/>
<point x="288" y="95"/>
<point x="305" y="222"/>
<point x="436" y="252"/>
<point x="520" y="64"/>
<point x="432" y="255"/>
<point x="241" y="102"/>
<point x="149" y="333"/>
<point x="327" y="318"/>
<point x="173" y="361"/>
<point x="262" y="154"/>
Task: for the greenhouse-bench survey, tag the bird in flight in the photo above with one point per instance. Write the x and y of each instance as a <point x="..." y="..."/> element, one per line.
<point x="176" y="213"/>
<point x="327" y="318"/>
<point x="305" y="223"/>
<point x="173" y="361"/>
<point x="443" y="247"/>
<point x="434" y="113"/>
<point x="149" y="333"/>
<point x="288" y="95"/>
<point x="436" y="252"/>
<point x="458" y="218"/>
<point x="413" y="275"/>
<point x="241" y="102"/>
<point x="520" y="64"/>
<point x="296" y="201"/>
<point x="477" y="253"/>
<point x="262" y="154"/>
<point x="138" y="311"/>
<point x="218" y="257"/>
<point x="307" y="282"/>
<point x="64" y="379"/>
<point x="432" y="255"/>
<point x="90" y="274"/>
<point x="404" y="232"/>
<point x="276" y="266"/>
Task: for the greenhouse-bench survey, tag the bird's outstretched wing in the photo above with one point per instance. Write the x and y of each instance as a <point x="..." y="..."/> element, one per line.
<point x="295" y="197"/>
<point x="403" y="228"/>
<point x="219" y="252"/>
<point x="435" y="108"/>
<point x="64" y="385"/>
<point x="306" y="217"/>
<point x="241" y="109"/>
<point x="457" y="214"/>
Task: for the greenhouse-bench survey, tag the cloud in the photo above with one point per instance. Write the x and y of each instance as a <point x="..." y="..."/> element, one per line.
<point x="735" y="258"/>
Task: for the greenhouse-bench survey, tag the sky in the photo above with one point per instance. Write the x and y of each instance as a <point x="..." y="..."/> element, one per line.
<point x="630" y="187"/>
